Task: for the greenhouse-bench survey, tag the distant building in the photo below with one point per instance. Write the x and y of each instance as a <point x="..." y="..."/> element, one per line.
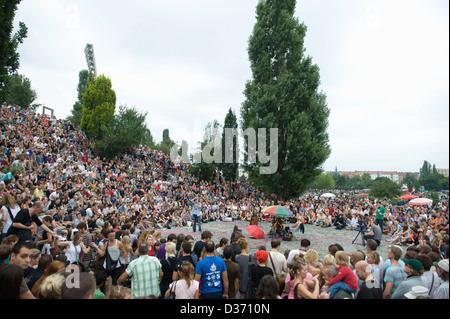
<point x="392" y="175"/>
<point x="443" y="171"/>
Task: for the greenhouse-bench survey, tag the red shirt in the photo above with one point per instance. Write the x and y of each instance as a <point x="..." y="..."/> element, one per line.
<point x="346" y="275"/>
<point x="151" y="251"/>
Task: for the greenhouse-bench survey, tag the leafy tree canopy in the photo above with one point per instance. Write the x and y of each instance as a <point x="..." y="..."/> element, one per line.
<point x="283" y="94"/>
<point x="125" y="130"/>
<point x="19" y="92"/>
<point x="9" y="43"/>
<point x="98" y="106"/>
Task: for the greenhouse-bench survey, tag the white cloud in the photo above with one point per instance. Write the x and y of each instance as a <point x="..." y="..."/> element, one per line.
<point x="383" y="65"/>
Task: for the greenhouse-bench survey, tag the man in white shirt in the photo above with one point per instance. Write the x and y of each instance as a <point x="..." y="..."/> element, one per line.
<point x="304" y="247"/>
<point x="276" y="261"/>
<point x="89" y="213"/>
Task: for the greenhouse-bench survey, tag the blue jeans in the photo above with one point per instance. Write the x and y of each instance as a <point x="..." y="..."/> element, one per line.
<point x="196" y="219"/>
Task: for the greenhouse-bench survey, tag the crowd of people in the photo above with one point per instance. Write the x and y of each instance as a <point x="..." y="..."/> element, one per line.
<point x="68" y="214"/>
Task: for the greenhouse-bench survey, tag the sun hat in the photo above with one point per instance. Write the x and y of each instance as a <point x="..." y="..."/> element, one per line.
<point x="443" y="264"/>
<point x="417" y="291"/>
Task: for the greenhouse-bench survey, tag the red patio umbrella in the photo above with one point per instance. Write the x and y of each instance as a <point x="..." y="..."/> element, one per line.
<point x="363" y="195"/>
<point x="407" y="196"/>
<point x="255" y="231"/>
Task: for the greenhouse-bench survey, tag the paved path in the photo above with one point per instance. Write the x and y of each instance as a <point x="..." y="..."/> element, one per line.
<point x="320" y="237"/>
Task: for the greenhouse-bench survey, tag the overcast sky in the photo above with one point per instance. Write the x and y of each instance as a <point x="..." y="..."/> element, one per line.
<point x="384" y="66"/>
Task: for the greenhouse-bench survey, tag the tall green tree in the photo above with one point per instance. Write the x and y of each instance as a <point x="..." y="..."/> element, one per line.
<point x="434" y="182"/>
<point x="426" y="169"/>
<point x="77" y="109"/>
<point x="323" y="181"/>
<point x="366" y="180"/>
<point x="283" y="94"/>
<point x="356" y="182"/>
<point x="98" y="106"/>
<point x="19" y="91"/>
<point x="209" y="153"/>
<point x="166" y="143"/>
<point x="383" y="187"/>
<point x="126" y="129"/>
<point x="342" y="181"/>
<point x="230" y="164"/>
<point x="9" y="56"/>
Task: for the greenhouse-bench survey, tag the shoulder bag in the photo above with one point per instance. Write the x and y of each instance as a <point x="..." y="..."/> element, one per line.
<point x="251" y="289"/>
<point x="171" y="294"/>
<point x="279" y="278"/>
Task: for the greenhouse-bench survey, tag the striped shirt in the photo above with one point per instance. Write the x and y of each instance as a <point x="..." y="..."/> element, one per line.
<point x="87" y="240"/>
<point x="144" y="273"/>
<point x="442" y="291"/>
<point x="396" y="275"/>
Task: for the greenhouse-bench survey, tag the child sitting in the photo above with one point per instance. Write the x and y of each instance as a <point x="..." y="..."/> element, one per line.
<point x="345" y="279"/>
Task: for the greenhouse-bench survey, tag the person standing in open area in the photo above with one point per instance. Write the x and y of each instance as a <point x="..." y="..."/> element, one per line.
<point x="196" y="215"/>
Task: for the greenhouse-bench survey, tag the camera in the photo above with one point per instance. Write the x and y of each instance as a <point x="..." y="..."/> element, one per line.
<point x="362" y="225"/>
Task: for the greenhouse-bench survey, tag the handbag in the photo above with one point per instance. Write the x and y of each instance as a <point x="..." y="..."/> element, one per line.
<point x="251" y="289"/>
<point x="111" y="264"/>
<point x="11" y="229"/>
<point x="279" y="278"/>
<point x="99" y="260"/>
<point x="171" y="294"/>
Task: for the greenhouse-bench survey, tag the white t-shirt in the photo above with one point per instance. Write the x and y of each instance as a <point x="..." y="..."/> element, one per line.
<point x="73" y="253"/>
<point x="8" y="221"/>
<point x="292" y="254"/>
<point x="182" y="291"/>
<point x="279" y="261"/>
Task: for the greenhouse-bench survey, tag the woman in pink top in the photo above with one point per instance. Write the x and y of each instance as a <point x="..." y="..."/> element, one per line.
<point x="303" y="289"/>
<point x="186" y="287"/>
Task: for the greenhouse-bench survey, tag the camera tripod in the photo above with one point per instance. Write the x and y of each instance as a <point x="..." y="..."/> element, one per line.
<point x="360" y="232"/>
